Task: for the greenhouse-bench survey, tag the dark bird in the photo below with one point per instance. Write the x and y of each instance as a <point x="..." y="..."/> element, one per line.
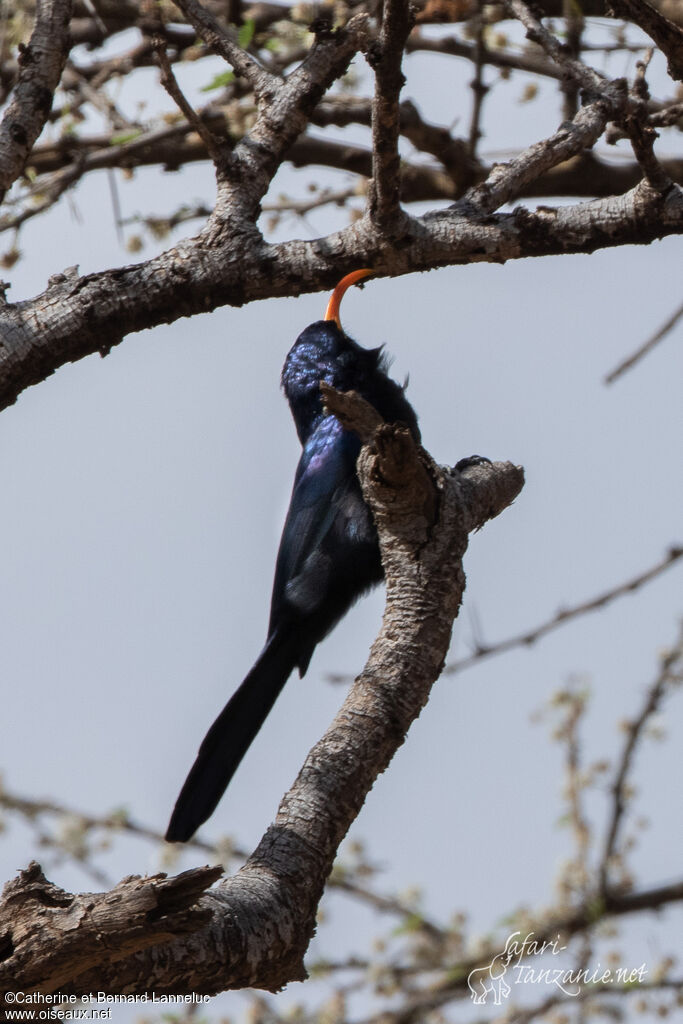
<point x="329" y="553"/>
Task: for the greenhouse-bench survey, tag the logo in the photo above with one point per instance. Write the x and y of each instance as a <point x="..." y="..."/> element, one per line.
<point x="507" y="969"/>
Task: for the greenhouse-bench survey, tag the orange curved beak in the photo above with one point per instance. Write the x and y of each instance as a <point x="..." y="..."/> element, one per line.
<point x="332" y="311"/>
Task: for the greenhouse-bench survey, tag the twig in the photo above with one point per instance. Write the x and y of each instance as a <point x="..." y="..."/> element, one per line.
<point x="479" y="89"/>
<point x="576" y="877"/>
<point x="301" y="207"/>
<point x="386" y="60"/>
<point x="390" y="905"/>
<point x="216" y="38"/>
<point x="665" y="33"/>
<point x="575" y="24"/>
<point x="535" y="64"/>
<point x="668" y="115"/>
<point x="84" y="91"/>
<point x="51" y="189"/>
<point x="636" y="356"/>
<point x="641" y="133"/>
<point x="671" y="669"/>
<point x="585" y="77"/>
<point x="217" y="148"/>
<point x="92" y="10"/>
<point x="567" y="614"/>
<point x="117" y="821"/>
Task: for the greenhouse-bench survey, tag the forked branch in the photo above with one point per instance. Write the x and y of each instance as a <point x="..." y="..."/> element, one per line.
<point x="255" y="928"/>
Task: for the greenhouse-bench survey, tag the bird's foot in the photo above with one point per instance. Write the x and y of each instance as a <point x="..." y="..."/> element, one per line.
<point x="471" y="460"/>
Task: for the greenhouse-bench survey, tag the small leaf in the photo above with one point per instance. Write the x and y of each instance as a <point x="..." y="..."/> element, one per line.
<point x="120" y="140"/>
<point x="218" y="81"/>
<point x="246" y="33"/>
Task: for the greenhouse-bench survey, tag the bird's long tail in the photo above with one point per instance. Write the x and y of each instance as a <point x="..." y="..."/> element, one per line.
<point x="230" y="736"/>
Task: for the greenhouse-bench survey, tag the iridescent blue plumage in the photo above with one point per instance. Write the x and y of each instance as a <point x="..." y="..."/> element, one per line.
<point x="329" y="553"/>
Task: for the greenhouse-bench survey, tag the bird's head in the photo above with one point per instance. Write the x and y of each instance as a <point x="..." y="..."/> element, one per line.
<point x="324" y="352"/>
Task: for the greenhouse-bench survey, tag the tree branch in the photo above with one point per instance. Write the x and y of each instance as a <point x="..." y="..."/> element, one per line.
<point x="48" y="936"/>
<point x="506" y="181"/>
<point x="70" y="159"/>
<point x="261" y="920"/>
<point x="665" y="33"/>
<point x="386" y="58"/>
<point x="636" y="356"/>
<point x="565" y="615"/>
<point x="217" y="39"/>
<point x="670" y="671"/>
<point x="41" y="64"/>
<point x="217" y="148"/>
<point x="226" y="263"/>
<point x="279" y="122"/>
<point x="592" y="82"/>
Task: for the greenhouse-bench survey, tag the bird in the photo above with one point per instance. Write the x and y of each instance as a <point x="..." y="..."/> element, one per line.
<point x="329" y="551"/>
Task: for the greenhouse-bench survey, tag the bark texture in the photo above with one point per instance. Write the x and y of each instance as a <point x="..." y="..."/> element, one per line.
<point x="254" y="929"/>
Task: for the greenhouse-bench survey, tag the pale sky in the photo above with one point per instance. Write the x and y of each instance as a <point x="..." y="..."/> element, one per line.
<point x="143" y="500"/>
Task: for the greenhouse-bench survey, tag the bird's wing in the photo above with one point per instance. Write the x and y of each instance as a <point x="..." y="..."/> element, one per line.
<point x="323" y="490"/>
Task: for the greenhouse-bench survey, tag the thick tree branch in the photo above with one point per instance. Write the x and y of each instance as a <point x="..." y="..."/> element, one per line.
<point x="261" y="920"/>
<point x="76" y="316"/>
<point x="41" y="64"/>
<point x="48" y="936"/>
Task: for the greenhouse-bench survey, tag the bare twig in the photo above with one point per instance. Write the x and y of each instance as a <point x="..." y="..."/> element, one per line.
<point x="670" y="671"/>
<point x="217" y="149"/>
<point x="479" y="88"/>
<point x="217" y="39"/>
<point x="574" y="24"/>
<point x="636" y="356"/>
<point x="566" y="615"/>
<point x="637" y="126"/>
<point x="386" y="59"/>
<point x="665" y="33"/>
<point x="535" y="64"/>
<point x="389" y="905"/>
<point x="587" y="78"/>
<point x="84" y="91"/>
<point x="300" y="207"/>
<point x="116" y="821"/>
